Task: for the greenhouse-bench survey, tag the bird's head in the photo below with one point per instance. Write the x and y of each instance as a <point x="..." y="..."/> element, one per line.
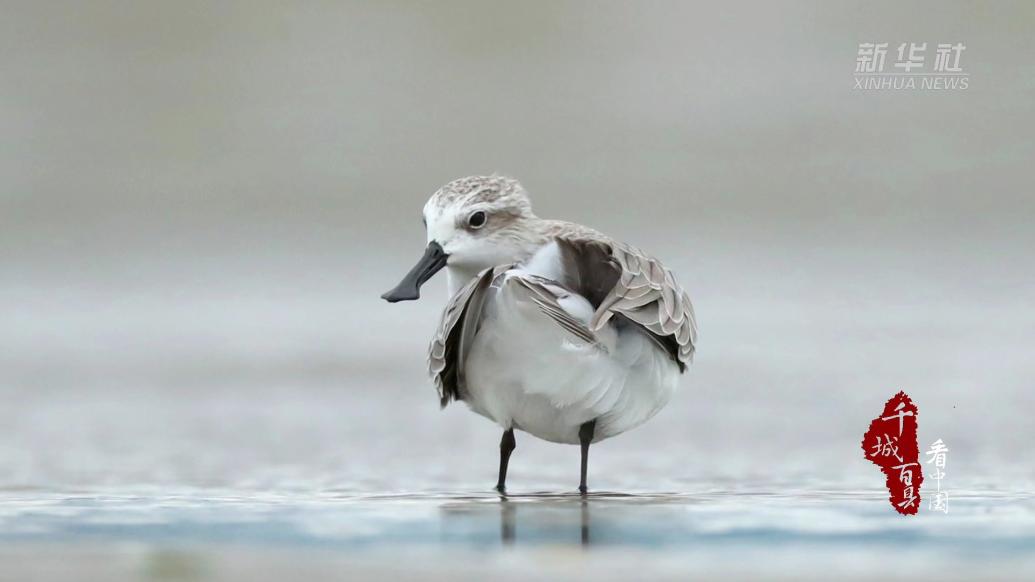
<point x="472" y="224"/>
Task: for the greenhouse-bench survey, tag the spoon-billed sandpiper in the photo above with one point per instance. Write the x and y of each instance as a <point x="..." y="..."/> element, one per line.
<point x="552" y="327"/>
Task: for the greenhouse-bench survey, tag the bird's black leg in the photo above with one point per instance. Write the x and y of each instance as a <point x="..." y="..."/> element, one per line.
<point x="585" y="437"/>
<point x="507" y="446"/>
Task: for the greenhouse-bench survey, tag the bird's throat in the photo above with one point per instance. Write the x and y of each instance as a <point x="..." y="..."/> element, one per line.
<point x="457" y="277"/>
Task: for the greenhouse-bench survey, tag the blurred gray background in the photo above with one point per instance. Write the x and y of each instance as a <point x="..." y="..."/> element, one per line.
<point x="200" y="203"/>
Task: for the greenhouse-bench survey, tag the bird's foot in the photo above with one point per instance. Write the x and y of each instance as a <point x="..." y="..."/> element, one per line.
<point x="501" y="489"/>
<point x="583" y="490"/>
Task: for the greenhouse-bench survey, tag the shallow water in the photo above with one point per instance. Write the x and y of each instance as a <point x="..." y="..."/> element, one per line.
<point x="217" y="535"/>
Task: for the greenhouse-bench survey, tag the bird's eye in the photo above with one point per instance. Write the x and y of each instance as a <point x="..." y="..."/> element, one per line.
<point x="476" y="220"/>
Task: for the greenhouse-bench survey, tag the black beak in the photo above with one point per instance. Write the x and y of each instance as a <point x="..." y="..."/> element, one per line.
<point x="409" y="288"/>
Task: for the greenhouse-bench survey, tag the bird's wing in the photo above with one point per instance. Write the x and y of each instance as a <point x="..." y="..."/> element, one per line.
<point x="456" y="329"/>
<point x="545" y="294"/>
<point x="646" y="294"/>
<point x="615" y="278"/>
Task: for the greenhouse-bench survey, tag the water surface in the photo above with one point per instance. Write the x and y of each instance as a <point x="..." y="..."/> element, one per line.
<point x="221" y="535"/>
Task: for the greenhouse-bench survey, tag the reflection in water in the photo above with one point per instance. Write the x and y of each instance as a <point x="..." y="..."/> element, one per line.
<point x="585" y="522"/>
<point x="508" y="511"/>
<point x="819" y="519"/>
<point x="562" y="519"/>
<point x="524" y="520"/>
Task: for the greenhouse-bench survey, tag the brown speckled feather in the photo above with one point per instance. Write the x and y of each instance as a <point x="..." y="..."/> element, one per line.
<point x="647" y="294"/>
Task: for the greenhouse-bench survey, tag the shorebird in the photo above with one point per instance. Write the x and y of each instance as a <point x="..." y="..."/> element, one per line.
<point x="552" y="328"/>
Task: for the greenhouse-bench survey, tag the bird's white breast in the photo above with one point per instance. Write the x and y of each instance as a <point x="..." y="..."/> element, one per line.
<point x="526" y="371"/>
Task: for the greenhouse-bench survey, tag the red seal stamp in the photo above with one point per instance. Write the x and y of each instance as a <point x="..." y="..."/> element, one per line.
<point x="890" y="443"/>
